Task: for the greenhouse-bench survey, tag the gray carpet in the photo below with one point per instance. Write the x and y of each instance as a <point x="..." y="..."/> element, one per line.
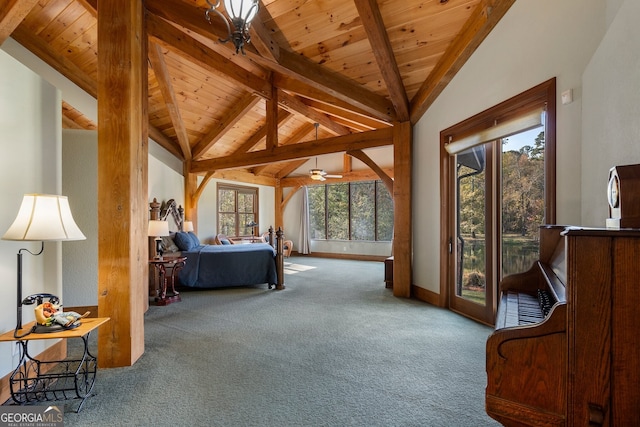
<point x="334" y="348"/>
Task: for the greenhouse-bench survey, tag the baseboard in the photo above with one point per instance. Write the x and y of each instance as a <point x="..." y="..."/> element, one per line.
<point x="425" y="295"/>
<point x="57" y="351"/>
<point x="353" y="257"/>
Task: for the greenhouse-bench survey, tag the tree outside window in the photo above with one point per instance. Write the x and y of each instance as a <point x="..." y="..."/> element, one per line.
<point x="237" y="207"/>
<point x="361" y="211"/>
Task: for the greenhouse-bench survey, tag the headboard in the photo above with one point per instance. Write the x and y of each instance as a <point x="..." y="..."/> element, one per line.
<point x="169" y="209"/>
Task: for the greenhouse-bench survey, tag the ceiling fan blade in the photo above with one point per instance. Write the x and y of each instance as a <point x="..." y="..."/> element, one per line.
<point x="332" y="176"/>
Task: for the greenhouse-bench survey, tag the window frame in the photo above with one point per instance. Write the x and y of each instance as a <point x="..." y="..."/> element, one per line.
<point x="542" y="95"/>
<point x="237" y="189"/>
<point x="378" y="186"/>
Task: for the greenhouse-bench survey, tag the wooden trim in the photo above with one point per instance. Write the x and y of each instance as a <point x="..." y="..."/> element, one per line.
<point x="425" y="295"/>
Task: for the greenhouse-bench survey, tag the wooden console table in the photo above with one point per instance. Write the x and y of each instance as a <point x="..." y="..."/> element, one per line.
<point x="35" y="380"/>
<point x="159" y="294"/>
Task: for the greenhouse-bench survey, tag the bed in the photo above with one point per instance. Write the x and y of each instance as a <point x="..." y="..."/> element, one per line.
<point x="218" y="266"/>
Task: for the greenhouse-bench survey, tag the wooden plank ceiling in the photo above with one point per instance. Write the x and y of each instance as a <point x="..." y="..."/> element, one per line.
<point x="353" y="66"/>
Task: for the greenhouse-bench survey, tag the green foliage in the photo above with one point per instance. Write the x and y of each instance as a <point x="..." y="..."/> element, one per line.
<point x="522" y="192"/>
<point x="351" y="211"/>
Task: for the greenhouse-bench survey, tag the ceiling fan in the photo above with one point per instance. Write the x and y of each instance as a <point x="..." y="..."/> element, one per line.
<point x="319" y="174"/>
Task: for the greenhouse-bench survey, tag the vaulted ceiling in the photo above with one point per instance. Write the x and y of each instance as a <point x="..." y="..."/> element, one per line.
<point x="353" y="66"/>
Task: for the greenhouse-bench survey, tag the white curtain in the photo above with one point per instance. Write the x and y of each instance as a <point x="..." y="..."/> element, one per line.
<point x="304" y="239"/>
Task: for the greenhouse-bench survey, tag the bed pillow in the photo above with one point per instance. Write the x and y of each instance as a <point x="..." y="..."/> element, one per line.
<point x="194" y="239"/>
<point x="184" y="241"/>
<point x="224" y="241"/>
<point x="169" y="245"/>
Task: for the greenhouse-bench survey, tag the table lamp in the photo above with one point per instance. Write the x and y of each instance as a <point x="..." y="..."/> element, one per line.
<point x="45" y="218"/>
<point x="187" y="226"/>
<point x="157" y="229"/>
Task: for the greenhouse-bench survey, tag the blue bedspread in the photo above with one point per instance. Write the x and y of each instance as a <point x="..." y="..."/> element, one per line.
<point x="216" y="266"/>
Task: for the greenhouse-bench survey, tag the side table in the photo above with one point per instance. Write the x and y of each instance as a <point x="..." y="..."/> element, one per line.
<point x="159" y="294"/>
<point x="35" y="380"/>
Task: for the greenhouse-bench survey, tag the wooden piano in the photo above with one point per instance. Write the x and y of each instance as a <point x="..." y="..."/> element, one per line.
<point x="566" y="347"/>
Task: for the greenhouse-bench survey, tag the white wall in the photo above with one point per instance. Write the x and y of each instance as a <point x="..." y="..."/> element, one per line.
<point x="30" y="126"/>
<point x="611" y="110"/>
<point x="80" y="184"/>
<point x="534" y="41"/>
<point x="207" y="209"/>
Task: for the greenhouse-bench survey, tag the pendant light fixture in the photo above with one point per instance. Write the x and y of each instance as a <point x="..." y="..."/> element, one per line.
<point x="240" y="13"/>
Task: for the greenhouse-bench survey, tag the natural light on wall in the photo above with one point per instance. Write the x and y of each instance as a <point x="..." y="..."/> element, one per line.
<point x="524" y="123"/>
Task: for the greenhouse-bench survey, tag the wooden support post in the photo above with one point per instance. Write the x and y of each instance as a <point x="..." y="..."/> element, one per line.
<point x="279" y="206"/>
<point x="402" y="244"/>
<point x="190" y="196"/>
<point x="280" y="258"/>
<point x="122" y="180"/>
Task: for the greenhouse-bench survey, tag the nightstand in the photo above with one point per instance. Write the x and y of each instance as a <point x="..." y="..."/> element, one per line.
<point x="158" y="289"/>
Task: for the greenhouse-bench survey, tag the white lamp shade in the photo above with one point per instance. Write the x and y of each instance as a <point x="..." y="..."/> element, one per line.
<point x="243" y="9"/>
<point x="187" y="226"/>
<point x="158" y="228"/>
<point x="44" y="217"/>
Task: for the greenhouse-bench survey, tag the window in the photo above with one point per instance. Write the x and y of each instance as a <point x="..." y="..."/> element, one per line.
<point x="237" y="207"/>
<point x="351" y="211"/>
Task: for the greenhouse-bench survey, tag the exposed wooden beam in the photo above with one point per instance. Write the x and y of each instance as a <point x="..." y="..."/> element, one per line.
<point x="61" y="64"/>
<point x="355" y="176"/>
<point x="203" y="184"/>
<point x="314" y="93"/>
<point x="290" y="64"/>
<point x="360" y="155"/>
<point x="91" y="6"/>
<point x="300" y="68"/>
<point x="122" y="182"/>
<point x="159" y="66"/>
<point x="232" y="117"/>
<point x="291" y="102"/>
<point x="483" y="19"/>
<point x="352" y="121"/>
<point x="190" y="17"/>
<point x="165" y="142"/>
<point x="285" y="200"/>
<point x="402" y="209"/>
<point x="347" y="163"/>
<point x="381" y="47"/>
<point x="74" y="119"/>
<point x="338" y="144"/>
<point x="254" y="139"/>
<point x="271" y="113"/>
<point x="12" y="12"/>
<point x="182" y="44"/>
<point x="261" y="37"/>
<point x="244" y="177"/>
<point x="290" y="167"/>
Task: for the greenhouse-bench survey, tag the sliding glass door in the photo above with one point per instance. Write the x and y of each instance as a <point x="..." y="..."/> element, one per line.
<point x="498" y="188"/>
